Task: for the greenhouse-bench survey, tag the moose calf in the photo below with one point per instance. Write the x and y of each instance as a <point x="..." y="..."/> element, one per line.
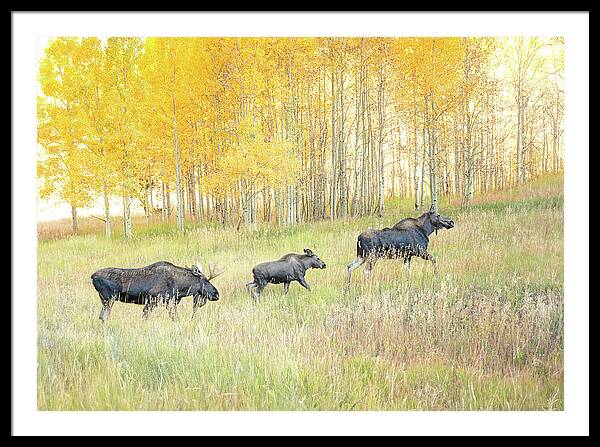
<point x="288" y="268"/>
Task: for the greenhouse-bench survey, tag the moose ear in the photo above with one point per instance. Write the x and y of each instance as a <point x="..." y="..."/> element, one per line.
<point x="196" y="271"/>
<point x="308" y="252"/>
<point x="431" y="208"/>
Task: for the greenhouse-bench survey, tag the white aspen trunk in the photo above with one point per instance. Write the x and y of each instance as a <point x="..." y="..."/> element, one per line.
<point x="555" y="167"/>
<point x="106" y="213"/>
<point x="192" y="194"/>
<point x="457" y="184"/>
<point x="522" y="144"/>
<point x="422" y="187"/>
<point x="432" y="155"/>
<point x="416" y="166"/>
<point x="179" y="191"/>
<point x="165" y="203"/>
<point x="278" y="206"/>
<point x="518" y="170"/>
<point x="371" y="182"/>
<point x="74" y="223"/>
<point x="381" y="155"/>
<point x="365" y="148"/>
<point x="289" y="219"/>
<point x="471" y="176"/>
<point x="357" y="164"/>
<point x="544" y="145"/>
<point x="254" y="194"/>
<point x="332" y="196"/>
<point x="343" y="190"/>
<point x="146" y="206"/>
<point x="151" y="203"/>
<point x="200" y="196"/>
<point x="296" y="205"/>
<point x="127" y="215"/>
<point x="246" y="211"/>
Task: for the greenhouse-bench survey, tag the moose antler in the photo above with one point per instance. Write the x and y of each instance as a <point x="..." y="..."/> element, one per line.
<point x="197" y="267"/>
<point x="211" y="271"/>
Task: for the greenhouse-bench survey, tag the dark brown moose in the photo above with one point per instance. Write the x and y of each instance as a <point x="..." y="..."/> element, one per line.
<point x="408" y="238"/>
<point x="161" y="282"/>
<point x="288" y="268"/>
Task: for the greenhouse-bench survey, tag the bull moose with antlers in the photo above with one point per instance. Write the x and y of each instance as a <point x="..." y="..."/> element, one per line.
<point x="406" y="239"/>
<point x="161" y="282"/>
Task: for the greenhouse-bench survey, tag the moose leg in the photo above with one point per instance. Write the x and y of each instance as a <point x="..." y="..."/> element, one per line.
<point x="370" y="264"/>
<point x="407" y="265"/>
<point x="107" y="292"/>
<point x="353" y="266"/>
<point x="428" y="257"/>
<point x="256" y="290"/>
<point x="303" y="283"/>
<point x="107" y="304"/>
<point x="251" y="286"/>
<point x="105" y="311"/>
<point x="286" y="287"/>
<point x="148" y="308"/>
<point x="172" y="306"/>
<point x="173" y="312"/>
<point x="199" y="301"/>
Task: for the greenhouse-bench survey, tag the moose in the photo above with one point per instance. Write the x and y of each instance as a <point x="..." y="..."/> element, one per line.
<point x="408" y="238"/>
<point x="288" y="268"/>
<point x="161" y="282"/>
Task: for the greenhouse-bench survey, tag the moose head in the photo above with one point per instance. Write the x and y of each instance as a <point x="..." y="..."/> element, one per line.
<point x="437" y="220"/>
<point x="315" y="261"/>
<point x="208" y="290"/>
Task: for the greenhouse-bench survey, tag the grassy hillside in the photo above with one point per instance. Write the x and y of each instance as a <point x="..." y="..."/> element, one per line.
<point x="486" y="332"/>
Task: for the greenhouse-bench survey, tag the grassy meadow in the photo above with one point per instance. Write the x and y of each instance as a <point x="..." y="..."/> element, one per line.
<point x="484" y="333"/>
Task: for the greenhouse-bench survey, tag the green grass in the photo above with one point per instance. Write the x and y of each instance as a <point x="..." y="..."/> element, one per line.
<point x="486" y="332"/>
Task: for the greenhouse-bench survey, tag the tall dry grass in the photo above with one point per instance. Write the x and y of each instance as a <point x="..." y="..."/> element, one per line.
<point x="486" y="332"/>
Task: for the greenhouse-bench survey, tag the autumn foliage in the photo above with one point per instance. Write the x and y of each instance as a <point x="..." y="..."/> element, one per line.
<point x="287" y="130"/>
